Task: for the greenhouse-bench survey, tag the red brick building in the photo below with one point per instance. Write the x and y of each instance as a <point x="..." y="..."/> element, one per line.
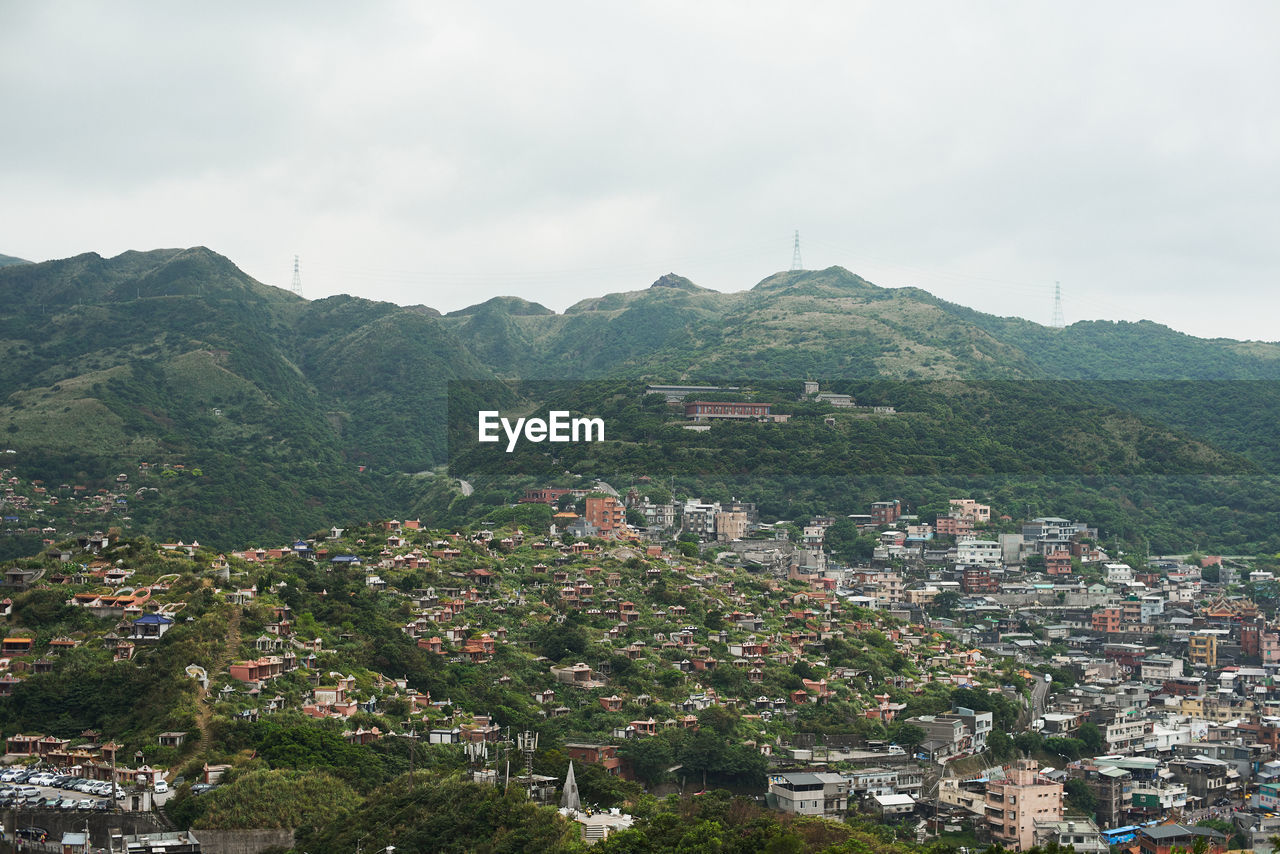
<point x="606" y="513"/>
<point x="886" y="512"/>
<point x="977" y="579"/>
<point x="704" y="410"/>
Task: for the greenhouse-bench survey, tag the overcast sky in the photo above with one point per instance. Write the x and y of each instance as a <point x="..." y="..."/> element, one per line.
<point x="444" y="153"/>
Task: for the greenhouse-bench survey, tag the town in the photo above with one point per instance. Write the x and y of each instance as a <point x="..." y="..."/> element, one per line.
<point x="964" y="676"/>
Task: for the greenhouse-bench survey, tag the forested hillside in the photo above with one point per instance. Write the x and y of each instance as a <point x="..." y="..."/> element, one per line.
<point x="239" y="411"/>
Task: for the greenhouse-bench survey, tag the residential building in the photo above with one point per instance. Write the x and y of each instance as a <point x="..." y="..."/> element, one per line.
<point x="1164" y="838"/>
<point x="731" y="526"/>
<point x="1109" y="620"/>
<point x="606" y="513"/>
<point x="893" y="805"/>
<point x="978" y="553"/>
<point x="1014" y="805"/>
<point x="1205" y="778"/>
<point x="953" y="526"/>
<point x="1080" y="833"/>
<point x="885" y="512"/>
<point x="969" y="509"/>
<point x="1202" y="649"/>
<point x="1111" y="788"/>
<point x="977" y="579"/>
<point x="821" y="794"/>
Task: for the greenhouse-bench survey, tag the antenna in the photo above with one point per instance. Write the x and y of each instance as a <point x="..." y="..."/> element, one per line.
<point x="796" y="263"/>
<point x="296" y="286"/>
<point x="528" y="745"/>
<point x="1057" y="322"/>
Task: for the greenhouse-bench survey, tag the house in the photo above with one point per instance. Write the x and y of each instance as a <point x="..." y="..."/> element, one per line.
<point x="1163" y="839"/>
<point x="821" y="794"/>
<point x="604" y="755"/>
<point x="892" y="805"/>
<point x="1079" y="833"/>
<point x="151" y="627"/>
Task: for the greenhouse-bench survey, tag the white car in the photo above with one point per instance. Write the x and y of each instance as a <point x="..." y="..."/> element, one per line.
<point x="161" y="787"/>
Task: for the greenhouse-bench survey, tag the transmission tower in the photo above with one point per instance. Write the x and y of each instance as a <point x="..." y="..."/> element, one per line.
<point x="296" y="286"/>
<point x="1058" y="321"/>
<point x="796" y="263"/>
<point x="527" y="743"/>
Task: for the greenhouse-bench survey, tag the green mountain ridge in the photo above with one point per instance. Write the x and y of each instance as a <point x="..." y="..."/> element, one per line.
<point x="299" y="414"/>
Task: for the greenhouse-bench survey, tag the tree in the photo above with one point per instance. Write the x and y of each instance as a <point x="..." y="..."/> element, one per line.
<point x="944" y="604"/>
<point x="909" y="737"/>
<point x="649" y="758"/>
<point x="1081" y="796"/>
<point x="1000" y="744"/>
<point x="1091" y="735"/>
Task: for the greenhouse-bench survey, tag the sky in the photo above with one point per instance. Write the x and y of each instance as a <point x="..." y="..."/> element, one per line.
<point x="444" y="153"/>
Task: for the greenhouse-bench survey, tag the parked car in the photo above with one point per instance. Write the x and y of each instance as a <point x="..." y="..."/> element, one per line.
<point x="161" y="787"/>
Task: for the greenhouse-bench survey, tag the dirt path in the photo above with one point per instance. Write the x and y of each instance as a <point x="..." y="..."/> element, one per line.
<point x="204" y="709"/>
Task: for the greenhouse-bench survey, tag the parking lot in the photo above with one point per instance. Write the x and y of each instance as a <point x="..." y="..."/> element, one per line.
<point x="47" y="790"/>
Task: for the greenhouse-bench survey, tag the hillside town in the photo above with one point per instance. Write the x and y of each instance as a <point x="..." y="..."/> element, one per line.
<point x="966" y="676"/>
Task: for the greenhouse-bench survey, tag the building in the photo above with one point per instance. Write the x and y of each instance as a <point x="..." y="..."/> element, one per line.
<point x="706" y="410"/>
<point x="969" y="509"/>
<point x="1014" y="805"/>
<point x="1058" y="562"/>
<point x="699" y="518"/>
<point x="885" y="512"/>
<point x="977" y="579"/>
<point x="953" y="526"/>
<point x="1051" y="534"/>
<point x="809" y="794"/>
<point x="604" y="755"/>
<point x="979" y="553"/>
<point x="1111" y="787"/>
<point x="1108" y="620"/>
<point x="1163" y="838"/>
<point x="1202" y="649"/>
<point x="174" y="842"/>
<point x="731" y="526"/>
<point x="606" y="513"/>
<point x="894" y="805"/>
<point x="677" y="393"/>
<point x="1080" y="833"/>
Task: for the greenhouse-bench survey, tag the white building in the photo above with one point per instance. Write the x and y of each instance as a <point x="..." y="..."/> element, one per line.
<point x="978" y="553"/>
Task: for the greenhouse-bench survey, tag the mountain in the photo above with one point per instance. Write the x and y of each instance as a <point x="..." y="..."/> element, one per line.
<point x="832" y="324"/>
<point x="9" y="261"/>
<point x="236" y="411"/>
<point x="177" y="359"/>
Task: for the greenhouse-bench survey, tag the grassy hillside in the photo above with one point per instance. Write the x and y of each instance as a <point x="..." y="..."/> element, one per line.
<point x="297" y="413"/>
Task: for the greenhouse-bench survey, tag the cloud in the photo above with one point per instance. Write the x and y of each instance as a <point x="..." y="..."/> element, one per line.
<point x="444" y="153"/>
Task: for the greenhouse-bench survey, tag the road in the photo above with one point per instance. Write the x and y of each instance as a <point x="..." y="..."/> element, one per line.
<point x="1039" y="691"/>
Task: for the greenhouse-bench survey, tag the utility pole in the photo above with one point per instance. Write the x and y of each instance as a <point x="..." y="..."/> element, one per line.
<point x="796" y="263"/>
<point x="1058" y="321"/>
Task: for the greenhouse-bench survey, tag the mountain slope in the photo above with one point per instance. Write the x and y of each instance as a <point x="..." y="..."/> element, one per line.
<point x="297" y="414"/>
